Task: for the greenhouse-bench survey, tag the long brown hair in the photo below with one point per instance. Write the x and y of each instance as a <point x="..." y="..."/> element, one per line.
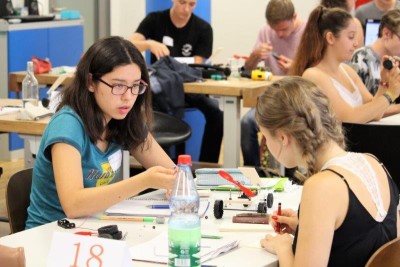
<point x="313" y="44"/>
<point x="299" y="108"/>
<point x="101" y="58"/>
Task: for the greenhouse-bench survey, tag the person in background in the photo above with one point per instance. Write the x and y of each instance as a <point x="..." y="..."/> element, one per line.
<point x="375" y="9"/>
<point x="347" y="5"/>
<point x="105" y="109"/>
<point x="280" y="35"/>
<point x="329" y="40"/>
<point x="367" y="60"/>
<point x="301" y="130"/>
<point x="177" y="32"/>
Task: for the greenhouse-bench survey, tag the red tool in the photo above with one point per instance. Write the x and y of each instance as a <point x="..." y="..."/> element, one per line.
<point x="228" y="177"/>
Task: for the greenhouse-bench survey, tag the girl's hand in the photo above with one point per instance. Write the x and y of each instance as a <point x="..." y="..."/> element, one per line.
<point x="161" y="178"/>
<point x="394" y="80"/>
<point x="288" y="220"/>
<point x="273" y="243"/>
<point x="384" y="71"/>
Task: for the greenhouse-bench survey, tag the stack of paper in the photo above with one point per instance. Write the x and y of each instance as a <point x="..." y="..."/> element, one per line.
<point x="156" y="250"/>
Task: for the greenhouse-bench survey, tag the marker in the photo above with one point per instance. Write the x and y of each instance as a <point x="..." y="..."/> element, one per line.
<point x="162" y="206"/>
<point x="211" y="236"/>
<point x="278" y="225"/>
<point x="128" y="219"/>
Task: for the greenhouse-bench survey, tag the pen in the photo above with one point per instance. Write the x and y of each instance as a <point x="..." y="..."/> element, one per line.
<point x="128" y="219"/>
<point x="278" y="225"/>
<point x="160" y="206"/>
<point x="211" y="236"/>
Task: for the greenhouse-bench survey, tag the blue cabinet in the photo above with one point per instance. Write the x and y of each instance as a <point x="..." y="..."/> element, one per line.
<point x="60" y="41"/>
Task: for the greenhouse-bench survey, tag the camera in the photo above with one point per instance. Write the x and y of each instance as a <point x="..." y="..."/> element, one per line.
<point x="388" y="64"/>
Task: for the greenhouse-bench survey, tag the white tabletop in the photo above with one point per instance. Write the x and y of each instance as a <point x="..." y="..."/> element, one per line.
<point x="390" y="120"/>
<point x="37" y="241"/>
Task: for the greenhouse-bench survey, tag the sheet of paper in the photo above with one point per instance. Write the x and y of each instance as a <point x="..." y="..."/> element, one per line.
<point x="9" y="110"/>
<point x="252" y="174"/>
<point x="156" y="250"/>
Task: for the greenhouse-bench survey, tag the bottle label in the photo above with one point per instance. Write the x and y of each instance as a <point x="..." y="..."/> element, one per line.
<point x="184" y="247"/>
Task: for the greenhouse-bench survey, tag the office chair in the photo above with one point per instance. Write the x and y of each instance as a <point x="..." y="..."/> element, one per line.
<point x="3" y="219"/>
<point x="18" y="199"/>
<point x="169" y="130"/>
<point x="387" y="255"/>
<point x="380" y="140"/>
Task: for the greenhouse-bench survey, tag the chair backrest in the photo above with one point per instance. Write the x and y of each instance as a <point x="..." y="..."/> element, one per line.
<point x="18" y="199"/>
<point x="169" y="131"/>
<point x="387" y="255"/>
<point x="380" y="140"/>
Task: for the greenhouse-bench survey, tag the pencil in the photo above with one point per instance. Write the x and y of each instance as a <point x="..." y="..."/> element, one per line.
<point x="128" y="219"/>
<point x="278" y="225"/>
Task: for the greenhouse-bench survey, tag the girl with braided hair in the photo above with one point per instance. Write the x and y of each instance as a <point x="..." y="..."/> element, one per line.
<point x="349" y="201"/>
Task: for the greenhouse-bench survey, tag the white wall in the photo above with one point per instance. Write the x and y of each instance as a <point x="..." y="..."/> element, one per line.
<point x="235" y="22"/>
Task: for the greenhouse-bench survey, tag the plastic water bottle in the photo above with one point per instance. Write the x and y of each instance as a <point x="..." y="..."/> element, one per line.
<point x="184" y="233"/>
<point x="30" y="87"/>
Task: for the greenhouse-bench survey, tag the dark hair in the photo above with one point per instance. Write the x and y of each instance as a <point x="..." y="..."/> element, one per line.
<point x="335" y="3"/>
<point x="299" y="108"/>
<point x="391" y="21"/>
<point x="101" y="58"/>
<point x="279" y="10"/>
<point x="313" y="44"/>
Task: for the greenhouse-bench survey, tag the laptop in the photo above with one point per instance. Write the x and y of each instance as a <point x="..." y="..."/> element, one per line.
<point x="371" y="31"/>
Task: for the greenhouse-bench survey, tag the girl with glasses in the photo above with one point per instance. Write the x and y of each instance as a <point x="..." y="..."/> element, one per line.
<point x="105" y="109"/>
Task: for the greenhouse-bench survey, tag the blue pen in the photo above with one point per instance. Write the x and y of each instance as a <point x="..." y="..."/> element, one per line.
<point x="162" y="206"/>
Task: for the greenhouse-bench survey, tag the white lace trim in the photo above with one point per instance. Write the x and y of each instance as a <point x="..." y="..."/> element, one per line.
<point x="358" y="165"/>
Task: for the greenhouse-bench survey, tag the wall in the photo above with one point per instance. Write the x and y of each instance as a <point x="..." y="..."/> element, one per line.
<point x="235" y="23"/>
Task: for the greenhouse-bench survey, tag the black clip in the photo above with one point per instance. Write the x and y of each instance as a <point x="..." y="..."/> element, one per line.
<point x="64" y="223"/>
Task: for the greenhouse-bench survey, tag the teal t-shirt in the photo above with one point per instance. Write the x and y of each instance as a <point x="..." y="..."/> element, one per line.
<point x="98" y="167"/>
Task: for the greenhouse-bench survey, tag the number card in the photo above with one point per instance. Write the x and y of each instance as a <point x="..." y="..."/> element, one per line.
<point x="70" y="250"/>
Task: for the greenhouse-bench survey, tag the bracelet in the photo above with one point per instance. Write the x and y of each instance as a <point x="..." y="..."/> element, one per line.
<point x="384" y="84"/>
<point x="392" y="96"/>
<point x="388" y="98"/>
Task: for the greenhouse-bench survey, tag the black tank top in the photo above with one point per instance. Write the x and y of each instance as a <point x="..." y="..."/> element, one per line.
<point x="360" y="235"/>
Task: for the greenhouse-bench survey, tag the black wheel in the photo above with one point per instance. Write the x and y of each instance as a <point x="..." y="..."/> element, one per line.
<point x="262" y="208"/>
<point x="218" y="209"/>
<point x="270" y="200"/>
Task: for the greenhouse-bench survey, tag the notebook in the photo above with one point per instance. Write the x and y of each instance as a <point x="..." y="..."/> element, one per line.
<point x="141" y="206"/>
<point x="371" y="31"/>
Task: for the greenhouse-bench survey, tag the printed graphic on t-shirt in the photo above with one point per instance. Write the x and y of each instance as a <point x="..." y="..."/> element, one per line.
<point x="187" y="50"/>
<point x="104" y="177"/>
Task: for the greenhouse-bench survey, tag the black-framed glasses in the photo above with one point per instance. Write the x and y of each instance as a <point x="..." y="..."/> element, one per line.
<point x="120" y="89"/>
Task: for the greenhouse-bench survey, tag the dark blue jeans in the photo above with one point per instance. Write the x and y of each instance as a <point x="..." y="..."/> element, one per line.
<point x="249" y="139"/>
<point x="213" y="130"/>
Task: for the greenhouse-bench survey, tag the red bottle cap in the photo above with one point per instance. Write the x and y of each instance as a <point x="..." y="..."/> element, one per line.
<point x="185" y="160"/>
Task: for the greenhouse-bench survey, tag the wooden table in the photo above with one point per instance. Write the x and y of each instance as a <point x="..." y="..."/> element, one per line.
<point x="31" y="132"/>
<point x="230" y="91"/>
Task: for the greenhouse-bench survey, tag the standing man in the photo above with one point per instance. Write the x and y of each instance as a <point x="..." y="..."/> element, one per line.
<point x="375" y="9"/>
<point x="177" y="32"/>
<point x="276" y="45"/>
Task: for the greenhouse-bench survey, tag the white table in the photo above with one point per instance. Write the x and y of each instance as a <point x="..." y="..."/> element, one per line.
<point x="390" y="120"/>
<point x="37" y="241"/>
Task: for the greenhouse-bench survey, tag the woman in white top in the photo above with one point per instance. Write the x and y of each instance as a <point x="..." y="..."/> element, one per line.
<point x="349" y="6"/>
<point x="328" y="41"/>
